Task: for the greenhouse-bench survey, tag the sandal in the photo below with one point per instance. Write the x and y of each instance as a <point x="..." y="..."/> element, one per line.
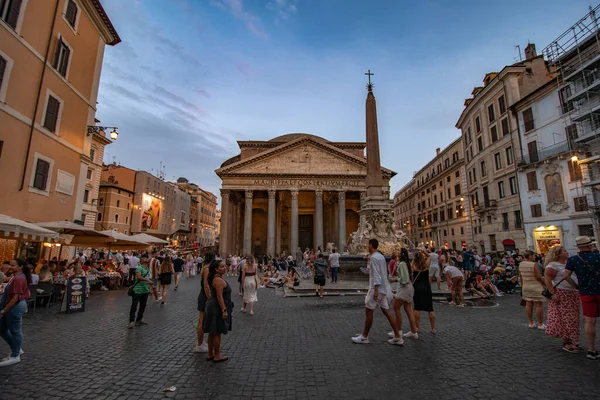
<point x="569" y="348"/>
<point x="223" y="358"/>
<point x="434" y="331"/>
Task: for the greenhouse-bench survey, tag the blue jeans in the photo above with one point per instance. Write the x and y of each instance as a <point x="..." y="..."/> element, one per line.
<point x="11" y="327"/>
<point x="334" y="274"/>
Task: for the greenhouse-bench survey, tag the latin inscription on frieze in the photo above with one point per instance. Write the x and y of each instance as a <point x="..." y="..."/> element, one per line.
<point x="306" y="183"/>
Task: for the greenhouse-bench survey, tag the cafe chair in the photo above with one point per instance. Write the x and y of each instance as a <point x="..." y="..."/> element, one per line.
<point x="32" y="298"/>
<point x="48" y="293"/>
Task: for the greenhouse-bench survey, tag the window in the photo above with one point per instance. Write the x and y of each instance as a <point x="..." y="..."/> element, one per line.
<point x="9" y="11"/>
<point x="6" y="65"/>
<point x="128" y="206"/>
<point x="512" y="182"/>
<point x="505" y="221"/>
<point x="474" y="175"/>
<point x="52" y="113"/>
<point x="494" y="133"/>
<point x="502" y="104"/>
<point x="492" y="242"/>
<point x="498" y="161"/>
<point x="504" y="124"/>
<point x="41" y="175"/>
<point x="99" y="216"/>
<point x="92" y="153"/>
<point x="457" y="174"/>
<point x="89" y="173"/>
<point x="518" y="223"/>
<point x="117" y="218"/>
<point x="528" y="120"/>
<point x="61" y="56"/>
<point x="574" y="171"/>
<point x="445" y="234"/>
<point x="491" y="114"/>
<point x="71" y="13"/>
<point x="580" y="203"/>
<point x="435" y="199"/>
<point x="563" y="95"/>
<point x="118" y="203"/>
<point x="532" y="180"/>
<point x="450" y="211"/>
<point x="570" y="130"/>
<point x="449" y="193"/>
<point x="586" y="230"/>
<point x="483" y="169"/>
<point x="533" y="152"/>
<point x="126" y="220"/>
<point x="536" y="210"/>
<point x="477" y="124"/>
<point x="462" y="230"/>
<point x="455" y="156"/>
<point x="448" y="179"/>
<point x="509" y="155"/>
<point x="501" y="193"/>
<point x="86" y="196"/>
<point x="480" y="143"/>
<point x="442" y="214"/>
<point x="101" y="201"/>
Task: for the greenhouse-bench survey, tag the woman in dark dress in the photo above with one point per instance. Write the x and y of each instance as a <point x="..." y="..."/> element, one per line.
<point x="217" y="318"/>
<point x="423" y="298"/>
<point x="202" y="347"/>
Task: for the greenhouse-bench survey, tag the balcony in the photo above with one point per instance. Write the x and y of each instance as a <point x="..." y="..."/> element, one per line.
<point x="487" y="206"/>
<point x="544" y="153"/>
<point x="589" y="129"/>
<point x="592" y="174"/>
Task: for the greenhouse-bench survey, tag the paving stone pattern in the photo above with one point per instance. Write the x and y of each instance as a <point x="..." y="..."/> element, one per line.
<point x="293" y="348"/>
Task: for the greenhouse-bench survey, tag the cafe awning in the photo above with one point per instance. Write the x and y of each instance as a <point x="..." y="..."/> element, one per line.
<point x="73" y="234"/>
<point x="13" y="228"/>
<point x="144" y="237"/>
<point x="124" y="242"/>
<point x="508" y="242"/>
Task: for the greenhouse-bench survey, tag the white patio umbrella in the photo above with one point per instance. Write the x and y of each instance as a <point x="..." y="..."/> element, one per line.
<point x="124" y="242"/>
<point x="78" y="235"/>
<point x="13" y="228"/>
<point x="144" y="237"/>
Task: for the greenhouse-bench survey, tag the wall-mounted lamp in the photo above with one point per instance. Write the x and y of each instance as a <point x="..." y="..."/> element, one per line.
<point x="97" y="129"/>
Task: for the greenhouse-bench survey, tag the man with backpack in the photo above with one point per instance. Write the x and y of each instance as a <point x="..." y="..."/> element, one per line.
<point x="321" y="274"/>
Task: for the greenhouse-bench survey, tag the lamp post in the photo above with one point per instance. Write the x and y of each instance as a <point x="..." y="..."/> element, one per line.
<point x="97" y="129"/>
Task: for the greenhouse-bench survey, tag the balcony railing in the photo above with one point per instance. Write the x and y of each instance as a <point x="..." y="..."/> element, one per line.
<point x="592" y="174"/>
<point x="544" y="153"/>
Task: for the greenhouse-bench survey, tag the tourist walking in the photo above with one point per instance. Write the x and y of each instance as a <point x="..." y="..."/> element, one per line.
<point x="12" y="307"/>
<point x="423" y="298"/>
<point x="133" y="262"/>
<point x="334" y="265"/>
<point x="404" y="293"/>
<point x="249" y="278"/>
<point x="201" y="346"/>
<point x="434" y="268"/>
<point x="563" y="307"/>
<point x="166" y="276"/>
<point x="217" y="320"/>
<point x="141" y="290"/>
<point x="178" y="265"/>
<point x="586" y="265"/>
<point x="379" y="294"/>
<point x="532" y="285"/>
<point x="189" y="265"/>
<point x="321" y="275"/>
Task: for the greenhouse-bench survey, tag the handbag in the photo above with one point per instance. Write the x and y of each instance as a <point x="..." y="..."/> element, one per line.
<point x="130" y="290"/>
<point x="546" y="293"/>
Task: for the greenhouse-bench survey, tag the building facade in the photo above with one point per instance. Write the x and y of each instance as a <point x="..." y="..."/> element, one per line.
<point x="115" y="206"/>
<point x="204" y="230"/>
<point x="491" y="143"/>
<point x="296" y="190"/>
<point x="51" y="56"/>
<point x="431" y="208"/>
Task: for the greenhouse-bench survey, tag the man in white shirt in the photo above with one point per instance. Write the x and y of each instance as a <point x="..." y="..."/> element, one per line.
<point x="434" y="268"/>
<point x="133" y="263"/>
<point x="379" y="294"/>
<point x="334" y="265"/>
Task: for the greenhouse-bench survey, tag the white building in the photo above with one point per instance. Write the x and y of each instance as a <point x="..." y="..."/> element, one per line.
<point x="553" y="197"/>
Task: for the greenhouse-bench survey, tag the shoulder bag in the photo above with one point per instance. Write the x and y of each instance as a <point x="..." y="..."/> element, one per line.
<point x="546" y="293"/>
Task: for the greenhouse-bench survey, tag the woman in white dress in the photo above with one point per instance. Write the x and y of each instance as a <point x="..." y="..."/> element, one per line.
<point x="249" y="280"/>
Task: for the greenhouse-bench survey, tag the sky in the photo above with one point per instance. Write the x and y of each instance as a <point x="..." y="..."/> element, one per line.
<point x="192" y="77"/>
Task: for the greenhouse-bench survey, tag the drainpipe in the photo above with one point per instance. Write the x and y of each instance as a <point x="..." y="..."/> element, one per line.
<point x="37" y="100"/>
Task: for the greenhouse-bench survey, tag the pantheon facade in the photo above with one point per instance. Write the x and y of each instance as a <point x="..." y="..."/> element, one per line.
<point x="296" y="190"/>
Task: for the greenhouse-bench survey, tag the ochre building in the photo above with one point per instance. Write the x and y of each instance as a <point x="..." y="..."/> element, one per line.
<point x="296" y="190"/>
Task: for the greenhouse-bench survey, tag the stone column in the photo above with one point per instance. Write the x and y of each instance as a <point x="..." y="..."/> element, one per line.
<point x="224" y="245"/>
<point x="342" y="221"/>
<point x="319" y="219"/>
<point x="271" y="223"/>
<point x="248" y="223"/>
<point x="294" y="229"/>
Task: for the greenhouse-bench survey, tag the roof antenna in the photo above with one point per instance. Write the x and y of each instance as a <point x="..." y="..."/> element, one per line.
<point x="516" y="46"/>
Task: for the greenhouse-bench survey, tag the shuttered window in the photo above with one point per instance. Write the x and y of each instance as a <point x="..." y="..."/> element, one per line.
<point x="536" y="210"/>
<point x="528" y="120"/>
<point x="61" y="57"/>
<point x="10" y="10"/>
<point x="533" y="152"/>
<point x="532" y="181"/>
<point x="52" y="114"/>
<point x="40" y="181"/>
<point x="505" y="127"/>
<point x="502" y="104"/>
<point x="71" y="13"/>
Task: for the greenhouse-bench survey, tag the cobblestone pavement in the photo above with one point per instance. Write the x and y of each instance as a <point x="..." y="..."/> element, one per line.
<point x="292" y="348"/>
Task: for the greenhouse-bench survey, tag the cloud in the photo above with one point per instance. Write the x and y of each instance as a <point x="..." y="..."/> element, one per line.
<point x="154" y="72"/>
<point x="201" y="91"/>
<point x="283" y="9"/>
<point x="252" y="22"/>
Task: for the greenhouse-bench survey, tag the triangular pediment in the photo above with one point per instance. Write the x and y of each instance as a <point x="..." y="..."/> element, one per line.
<point x="303" y="156"/>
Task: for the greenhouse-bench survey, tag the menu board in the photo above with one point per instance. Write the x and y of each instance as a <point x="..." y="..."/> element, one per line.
<point x="75" y="296"/>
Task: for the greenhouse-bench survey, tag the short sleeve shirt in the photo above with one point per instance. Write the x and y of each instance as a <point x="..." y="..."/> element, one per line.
<point x="178" y="265"/>
<point x="335" y="260"/>
<point x="19" y="287"/>
<point x="588" y="272"/>
<point x="142" y="287"/>
<point x="453" y="271"/>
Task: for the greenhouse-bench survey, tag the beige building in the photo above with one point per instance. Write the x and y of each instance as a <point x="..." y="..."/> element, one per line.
<point x="51" y="56"/>
<point x="204" y="205"/>
<point x="115" y="204"/>
<point x="293" y="190"/>
<point x="491" y="145"/>
<point x="431" y="208"/>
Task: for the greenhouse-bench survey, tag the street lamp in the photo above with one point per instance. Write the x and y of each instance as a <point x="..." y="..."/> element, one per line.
<point x="97" y="129"/>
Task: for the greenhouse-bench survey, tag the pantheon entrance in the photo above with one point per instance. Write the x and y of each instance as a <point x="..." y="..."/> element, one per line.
<point x="296" y="190"/>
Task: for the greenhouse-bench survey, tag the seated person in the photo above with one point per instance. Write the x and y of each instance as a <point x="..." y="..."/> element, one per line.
<point x="474" y="286"/>
<point x="46" y="275"/>
<point x="292" y="278"/>
<point x="266" y="278"/>
<point x="509" y="280"/>
<point x="489" y="286"/>
<point x="96" y="269"/>
<point x="4" y="271"/>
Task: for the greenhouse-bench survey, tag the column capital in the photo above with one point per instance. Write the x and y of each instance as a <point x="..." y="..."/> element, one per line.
<point x="225" y="193"/>
<point x="249" y="194"/>
<point x="294" y="194"/>
<point x="272" y="193"/>
<point x="319" y="193"/>
<point x="342" y="195"/>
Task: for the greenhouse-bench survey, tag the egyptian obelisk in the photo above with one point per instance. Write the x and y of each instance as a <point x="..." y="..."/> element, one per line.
<point x="377" y="199"/>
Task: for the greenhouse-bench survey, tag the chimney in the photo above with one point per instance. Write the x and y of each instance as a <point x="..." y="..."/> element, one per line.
<point x="530" y="51"/>
<point x="437" y="151"/>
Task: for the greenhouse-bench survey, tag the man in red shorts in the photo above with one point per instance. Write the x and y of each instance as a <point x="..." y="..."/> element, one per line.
<point x="586" y="265"/>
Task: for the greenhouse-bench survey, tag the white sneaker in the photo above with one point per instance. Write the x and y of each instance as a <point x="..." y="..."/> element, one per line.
<point x="397" y="341"/>
<point x="409" y="334"/>
<point x="103" y="288"/>
<point x="542" y="326"/>
<point x="391" y="333"/>
<point x="452" y="303"/>
<point x="499" y="294"/>
<point x="461" y="305"/>
<point x="360" y="339"/>
<point x="203" y="348"/>
<point x="21" y="352"/>
<point x="10" y="361"/>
